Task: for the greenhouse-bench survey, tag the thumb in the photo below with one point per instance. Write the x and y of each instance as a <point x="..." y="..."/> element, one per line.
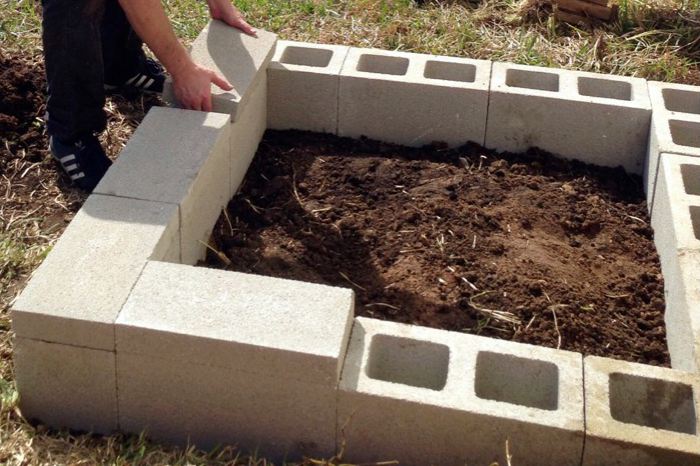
<point x="221" y="82"/>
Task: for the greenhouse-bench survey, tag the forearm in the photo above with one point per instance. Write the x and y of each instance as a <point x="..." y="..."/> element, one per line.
<point x="150" y="22"/>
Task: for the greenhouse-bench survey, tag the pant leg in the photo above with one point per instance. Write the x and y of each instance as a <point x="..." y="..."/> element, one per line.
<point x="74" y="68"/>
<point x="122" y="49"/>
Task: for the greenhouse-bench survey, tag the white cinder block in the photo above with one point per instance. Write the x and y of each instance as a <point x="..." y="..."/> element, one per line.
<point x="595" y="118"/>
<point x="282" y="328"/>
<point x="238" y="57"/>
<point x="303" y="81"/>
<point x="676" y="223"/>
<point x="66" y="386"/>
<point x="246" y="134"/>
<point x="182" y="403"/>
<point x="639" y="414"/>
<point x="424" y="396"/>
<point x="75" y="295"/>
<point x="413" y="99"/>
<point x="180" y="157"/>
<point x="675" y="127"/>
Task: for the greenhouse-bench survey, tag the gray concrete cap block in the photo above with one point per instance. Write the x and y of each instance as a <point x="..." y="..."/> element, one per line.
<point x="639" y="414"/>
<point x="595" y="118"/>
<point x="182" y="403"/>
<point x="76" y="294"/>
<point x="285" y="328"/>
<point x="413" y="99"/>
<point x="240" y="58"/>
<point x="66" y="386"/>
<point x="425" y="396"/>
<point x="303" y="86"/>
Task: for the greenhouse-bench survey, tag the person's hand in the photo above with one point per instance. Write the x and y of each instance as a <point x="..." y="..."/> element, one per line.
<point x="192" y="86"/>
<point x="224" y="11"/>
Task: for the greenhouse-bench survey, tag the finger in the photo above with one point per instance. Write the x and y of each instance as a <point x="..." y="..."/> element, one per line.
<point x="206" y="103"/>
<point x="221" y="82"/>
<point x="247" y="28"/>
<point x="194" y="105"/>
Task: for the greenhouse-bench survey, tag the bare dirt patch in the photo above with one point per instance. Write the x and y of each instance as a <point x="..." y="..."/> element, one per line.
<point x="523" y="247"/>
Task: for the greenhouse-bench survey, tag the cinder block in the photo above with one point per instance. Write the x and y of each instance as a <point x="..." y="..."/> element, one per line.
<point x="675" y="127"/>
<point x="639" y="414"/>
<point x="75" y="295"/>
<point x="180" y="157"/>
<point x="303" y="82"/>
<point x="208" y="405"/>
<point x="262" y="325"/>
<point x="424" y="396"/>
<point x="676" y="223"/>
<point x="595" y="118"/>
<point x="246" y="134"/>
<point x="66" y="386"/>
<point x="240" y="58"/>
<point x="413" y="99"/>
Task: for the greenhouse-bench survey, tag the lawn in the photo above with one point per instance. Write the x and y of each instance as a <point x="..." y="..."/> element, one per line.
<point x="656" y="40"/>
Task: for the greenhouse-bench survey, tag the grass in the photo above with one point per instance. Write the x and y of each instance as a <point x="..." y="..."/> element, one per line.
<point x="653" y="39"/>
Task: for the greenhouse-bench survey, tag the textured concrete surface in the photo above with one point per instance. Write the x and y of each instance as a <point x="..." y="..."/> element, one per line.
<point x="66" y="386"/>
<point x="286" y="329"/>
<point x="675" y="127"/>
<point x="205" y="404"/>
<point x="184" y="155"/>
<point x="639" y="414"/>
<point x="303" y="82"/>
<point x="424" y="396"/>
<point x="595" y="118"/>
<point x="75" y="295"/>
<point x="240" y="58"/>
<point x="676" y="223"/>
<point x="407" y="99"/>
<point x="246" y="134"/>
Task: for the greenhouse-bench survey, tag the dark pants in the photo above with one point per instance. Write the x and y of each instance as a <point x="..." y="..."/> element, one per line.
<point x="86" y="43"/>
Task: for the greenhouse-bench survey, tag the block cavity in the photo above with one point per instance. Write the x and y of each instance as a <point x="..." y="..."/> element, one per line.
<point x="413" y="99"/>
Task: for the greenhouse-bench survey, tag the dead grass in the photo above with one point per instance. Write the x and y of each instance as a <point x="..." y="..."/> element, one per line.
<point x="653" y="39"/>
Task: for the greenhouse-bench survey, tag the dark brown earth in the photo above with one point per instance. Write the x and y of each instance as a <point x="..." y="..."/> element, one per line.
<point x="524" y="247"/>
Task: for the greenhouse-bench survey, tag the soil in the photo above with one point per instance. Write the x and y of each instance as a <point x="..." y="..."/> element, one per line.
<point x="523" y="247"/>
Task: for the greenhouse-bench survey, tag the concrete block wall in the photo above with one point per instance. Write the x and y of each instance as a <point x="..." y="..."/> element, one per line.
<point x="595" y="118"/>
<point x="675" y="128"/>
<point x="413" y="99"/>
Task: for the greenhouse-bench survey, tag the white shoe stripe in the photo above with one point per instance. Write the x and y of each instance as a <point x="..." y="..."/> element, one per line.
<point x="77" y="176"/>
<point x="148" y="83"/>
<point x="133" y="79"/>
<point x="140" y="81"/>
<point x="67" y="158"/>
<point x="71" y="167"/>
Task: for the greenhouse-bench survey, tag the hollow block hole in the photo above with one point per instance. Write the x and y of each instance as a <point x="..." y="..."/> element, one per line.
<point x="532" y="80"/>
<point x="408" y="361"/>
<point x="383" y="64"/>
<point x="695" y="219"/>
<point x="605" y="88"/>
<point x="685" y="133"/>
<point x="306" y="56"/>
<point x="515" y="380"/>
<point x="656" y="403"/>
<point x="691" y="179"/>
<point x="677" y="100"/>
<point x="449" y="71"/>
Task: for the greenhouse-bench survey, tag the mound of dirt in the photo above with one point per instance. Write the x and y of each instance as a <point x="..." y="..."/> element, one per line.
<point x="524" y="247"/>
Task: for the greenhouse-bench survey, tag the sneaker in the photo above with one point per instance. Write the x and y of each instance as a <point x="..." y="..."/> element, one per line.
<point x="83" y="160"/>
<point x="150" y="80"/>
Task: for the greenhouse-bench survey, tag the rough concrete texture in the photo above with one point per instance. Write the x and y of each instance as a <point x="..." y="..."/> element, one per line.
<point x="303" y="82"/>
<point x="246" y="134"/>
<point x="413" y="99"/>
<point x="595" y="118"/>
<point x="66" y="386"/>
<point x="75" y="295"/>
<point x="184" y="155"/>
<point x="285" y="329"/>
<point x="238" y="57"/>
<point x="676" y="223"/>
<point x="425" y="396"/>
<point x="639" y="414"/>
<point x="205" y="404"/>
<point x="675" y="127"/>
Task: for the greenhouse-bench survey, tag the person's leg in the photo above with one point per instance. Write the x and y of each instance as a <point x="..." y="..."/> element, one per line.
<point x="74" y="69"/>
